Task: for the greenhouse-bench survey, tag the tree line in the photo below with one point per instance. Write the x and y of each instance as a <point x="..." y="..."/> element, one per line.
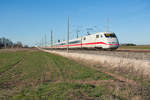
<point x="6" y="43"/>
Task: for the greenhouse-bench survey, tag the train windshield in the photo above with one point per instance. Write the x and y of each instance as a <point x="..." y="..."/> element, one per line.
<point x="110" y="35"/>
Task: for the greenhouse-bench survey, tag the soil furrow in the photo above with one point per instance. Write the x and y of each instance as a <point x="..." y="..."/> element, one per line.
<point x="11" y="66"/>
<point x="118" y="77"/>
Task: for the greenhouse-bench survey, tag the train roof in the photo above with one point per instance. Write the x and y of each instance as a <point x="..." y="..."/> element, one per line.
<point x="104" y="32"/>
<point x="99" y="33"/>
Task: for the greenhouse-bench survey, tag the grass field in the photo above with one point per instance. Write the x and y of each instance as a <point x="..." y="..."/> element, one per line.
<point x="36" y="75"/>
<point x="141" y="47"/>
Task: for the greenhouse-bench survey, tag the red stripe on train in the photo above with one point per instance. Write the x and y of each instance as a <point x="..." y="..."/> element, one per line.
<point x="86" y="44"/>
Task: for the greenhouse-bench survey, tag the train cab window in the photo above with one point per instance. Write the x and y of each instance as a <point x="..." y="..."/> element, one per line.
<point x="101" y="36"/>
<point x="84" y="38"/>
<point x="97" y="36"/>
<point x="110" y="35"/>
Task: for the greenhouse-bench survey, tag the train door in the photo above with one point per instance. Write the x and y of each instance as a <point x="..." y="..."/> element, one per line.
<point x="97" y="40"/>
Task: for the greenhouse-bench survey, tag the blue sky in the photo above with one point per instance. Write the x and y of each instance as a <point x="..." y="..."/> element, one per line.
<point x="29" y="20"/>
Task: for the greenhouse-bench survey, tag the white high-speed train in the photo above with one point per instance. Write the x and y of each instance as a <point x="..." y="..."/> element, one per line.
<point x="103" y="40"/>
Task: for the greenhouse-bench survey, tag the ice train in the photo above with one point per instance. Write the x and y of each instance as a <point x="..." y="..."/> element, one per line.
<point x="102" y="40"/>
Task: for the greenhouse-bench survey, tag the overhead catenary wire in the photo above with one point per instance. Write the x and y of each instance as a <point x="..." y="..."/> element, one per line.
<point x="45" y="41"/>
<point x="68" y="34"/>
<point x="107" y="26"/>
<point x="51" y="38"/>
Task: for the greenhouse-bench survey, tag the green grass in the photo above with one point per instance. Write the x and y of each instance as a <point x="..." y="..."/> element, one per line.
<point x="62" y="91"/>
<point x="36" y="75"/>
<point x="8" y="59"/>
<point x="143" y="47"/>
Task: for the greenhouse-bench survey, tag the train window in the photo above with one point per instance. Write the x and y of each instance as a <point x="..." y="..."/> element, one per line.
<point x="101" y="36"/>
<point x="74" y="42"/>
<point x="84" y="38"/>
<point x="97" y="36"/>
<point x="113" y="35"/>
<point x="110" y="35"/>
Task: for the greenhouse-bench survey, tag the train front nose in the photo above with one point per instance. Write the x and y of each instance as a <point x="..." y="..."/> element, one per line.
<point x="112" y="41"/>
<point x="113" y="44"/>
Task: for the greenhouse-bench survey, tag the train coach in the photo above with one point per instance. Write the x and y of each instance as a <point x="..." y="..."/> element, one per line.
<point x="101" y="40"/>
